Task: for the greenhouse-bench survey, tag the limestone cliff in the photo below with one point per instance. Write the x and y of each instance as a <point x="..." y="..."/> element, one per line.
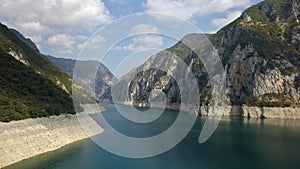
<point x="260" y="52"/>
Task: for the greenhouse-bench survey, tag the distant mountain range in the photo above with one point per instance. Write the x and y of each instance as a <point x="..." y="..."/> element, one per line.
<point x="260" y="52"/>
<point x="103" y="78"/>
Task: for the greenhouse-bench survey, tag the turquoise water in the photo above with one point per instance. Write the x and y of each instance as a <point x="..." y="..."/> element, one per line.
<point x="237" y="143"/>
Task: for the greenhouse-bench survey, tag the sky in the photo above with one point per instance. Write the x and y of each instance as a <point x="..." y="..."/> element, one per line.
<point x="61" y="28"/>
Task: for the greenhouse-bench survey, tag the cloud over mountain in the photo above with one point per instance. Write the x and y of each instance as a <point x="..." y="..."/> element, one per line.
<point x="44" y="19"/>
<point x="191" y="8"/>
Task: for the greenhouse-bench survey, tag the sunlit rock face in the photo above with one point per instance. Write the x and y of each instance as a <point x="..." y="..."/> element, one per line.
<point x="260" y="56"/>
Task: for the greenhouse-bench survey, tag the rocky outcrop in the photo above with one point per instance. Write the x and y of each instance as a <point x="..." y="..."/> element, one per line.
<point x="271" y="112"/>
<point x="255" y="112"/>
<point x="18" y="57"/>
<point x="273" y="82"/>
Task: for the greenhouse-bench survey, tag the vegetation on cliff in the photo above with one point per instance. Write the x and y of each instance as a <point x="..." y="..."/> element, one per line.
<point x="260" y="52"/>
<point x="30" y="85"/>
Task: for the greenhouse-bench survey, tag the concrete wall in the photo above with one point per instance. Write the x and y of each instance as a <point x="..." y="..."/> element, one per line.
<point x="23" y="139"/>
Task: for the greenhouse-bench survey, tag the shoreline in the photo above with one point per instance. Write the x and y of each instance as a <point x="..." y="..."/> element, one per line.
<point x="20" y="140"/>
<point x="244" y="111"/>
<point x="283" y="113"/>
<point x="41" y="154"/>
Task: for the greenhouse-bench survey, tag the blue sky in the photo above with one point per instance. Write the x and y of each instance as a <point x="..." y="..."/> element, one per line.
<point x="61" y="27"/>
<point x="119" y="8"/>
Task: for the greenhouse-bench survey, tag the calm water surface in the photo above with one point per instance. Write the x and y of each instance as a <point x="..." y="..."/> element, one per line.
<point x="237" y="143"/>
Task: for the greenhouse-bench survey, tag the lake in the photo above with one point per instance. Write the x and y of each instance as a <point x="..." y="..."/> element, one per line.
<point x="237" y="143"/>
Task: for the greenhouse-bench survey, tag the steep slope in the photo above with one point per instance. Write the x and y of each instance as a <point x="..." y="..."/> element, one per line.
<point x="28" y="41"/>
<point x="260" y="52"/>
<point x="30" y="85"/>
<point x="22" y="51"/>
<point x="103" y="78"/>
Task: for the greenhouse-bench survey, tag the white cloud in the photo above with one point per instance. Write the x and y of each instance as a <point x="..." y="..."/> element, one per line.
<point x="93" y="44"/>
<point x="97" y="40"/>
<point x="122" y="2"/>
<point x="221" y="22"/>
<point x="33" y="26"/>
<point x="55" y="14"/>
<point x="82" y="38"/>
<point x="189" y="8"/>
<point x="38" y="19"/>
<point x="37" y="39"/>
<point x="143" y="28"/>
<point x="61" y="43"/>
<point x="144" y="37"/>
<point x="143" y="42"/>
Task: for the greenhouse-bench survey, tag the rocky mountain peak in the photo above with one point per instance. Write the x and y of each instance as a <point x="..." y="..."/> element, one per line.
<point x="260" y="52"/>
<point x="274" y="10"/>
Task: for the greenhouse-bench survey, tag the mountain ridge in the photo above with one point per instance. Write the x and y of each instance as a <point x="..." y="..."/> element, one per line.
<point x="259" y="52"/>
<point x="103" y="78"/>
<point x="31" y="86"/>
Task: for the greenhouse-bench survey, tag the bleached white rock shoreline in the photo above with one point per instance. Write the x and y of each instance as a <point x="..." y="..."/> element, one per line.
<point x="272" y="112"/>
<point x="283" y="113"/>
<point x="257" y="112"/>
<point x="23" y="139"/>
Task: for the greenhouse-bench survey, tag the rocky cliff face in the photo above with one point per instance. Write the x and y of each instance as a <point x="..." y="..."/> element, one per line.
<point x="260" y="54"/>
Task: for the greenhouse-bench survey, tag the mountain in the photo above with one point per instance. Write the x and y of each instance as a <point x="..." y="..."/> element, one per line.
<point x="30" y="85"/>
<point x="103" y="78"/>
<point x="28" y="41"/>
<point x="260" y="52"/>
<point x="263" y="45"/>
